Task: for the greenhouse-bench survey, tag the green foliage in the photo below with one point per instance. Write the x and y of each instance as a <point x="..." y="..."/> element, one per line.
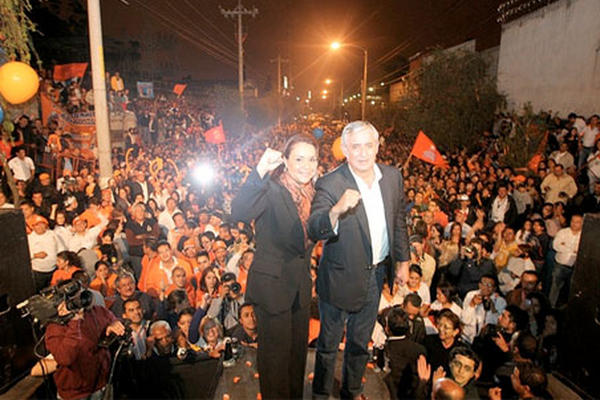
<point x="526" y="137"/>
<point x="451" y="98"/>
<point x="16" y="29"/>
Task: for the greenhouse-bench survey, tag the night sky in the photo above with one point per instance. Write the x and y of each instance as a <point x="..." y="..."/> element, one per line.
<point x="175" y="34"/>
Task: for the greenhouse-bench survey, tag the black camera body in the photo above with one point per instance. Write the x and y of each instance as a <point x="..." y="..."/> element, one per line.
<point x="43" y="307"/>
<point x="235" y="288"/>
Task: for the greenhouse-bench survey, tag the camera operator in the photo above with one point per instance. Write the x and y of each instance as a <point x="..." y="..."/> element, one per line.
<point x="468" y="269"/>
<point x="226" y="307"/>
<point x="481" y="307"/>
<point x="83" y="367"/>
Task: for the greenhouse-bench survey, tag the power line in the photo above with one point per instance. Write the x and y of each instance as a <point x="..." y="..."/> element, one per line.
<point x="186" y="35"/>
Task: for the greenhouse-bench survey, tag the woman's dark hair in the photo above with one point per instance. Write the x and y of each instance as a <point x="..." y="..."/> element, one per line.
<point x="202" y="283"/>
<point x="448" y="290"/>
<point x="70" y="257"/>
<point x="289" y="145"/>
<point x="416" y="268"/>
<point x="100" y="263"/>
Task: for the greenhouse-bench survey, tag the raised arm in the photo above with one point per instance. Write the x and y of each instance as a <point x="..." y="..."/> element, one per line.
<point x="251" y="201"/>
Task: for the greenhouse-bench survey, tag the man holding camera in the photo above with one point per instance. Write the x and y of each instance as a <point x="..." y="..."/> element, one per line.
<point x="83" y="367"/>
<point x="226" y="307"/>
<point x="468" y="269"/>
<point x="481" y="307"/>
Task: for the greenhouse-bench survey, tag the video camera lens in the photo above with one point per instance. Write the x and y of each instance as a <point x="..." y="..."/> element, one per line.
<point x="235" y="288"/>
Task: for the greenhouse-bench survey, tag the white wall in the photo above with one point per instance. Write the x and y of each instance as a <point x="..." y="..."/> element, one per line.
<point x="551" y="58"/>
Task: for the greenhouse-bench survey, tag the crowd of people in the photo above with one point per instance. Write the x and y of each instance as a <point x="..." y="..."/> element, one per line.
<point x="492" y="250"/>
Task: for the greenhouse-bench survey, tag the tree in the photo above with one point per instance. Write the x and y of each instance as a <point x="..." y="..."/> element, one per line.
<point x="451" y="97"/>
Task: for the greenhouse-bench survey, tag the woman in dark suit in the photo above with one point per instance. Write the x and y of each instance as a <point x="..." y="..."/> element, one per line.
<point x="277" y="195"/>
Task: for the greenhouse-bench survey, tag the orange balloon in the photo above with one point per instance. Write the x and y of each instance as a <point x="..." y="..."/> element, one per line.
<point x="336" y="149"/>
<point x="18" y="82"/>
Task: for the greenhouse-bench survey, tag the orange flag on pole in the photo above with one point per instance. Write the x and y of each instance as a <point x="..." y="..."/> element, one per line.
<point x="424" y="149"/>
<point x="215" y="135"/>
<point x="68" y="71"/>
<point x="179" y="88"/>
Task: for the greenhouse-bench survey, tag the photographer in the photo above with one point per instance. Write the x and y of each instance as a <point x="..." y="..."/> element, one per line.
<point x="481" y="307"/>
<point x="468" y="269"/>
<point x="83" y="367"/>
<point x="226" y="307"/>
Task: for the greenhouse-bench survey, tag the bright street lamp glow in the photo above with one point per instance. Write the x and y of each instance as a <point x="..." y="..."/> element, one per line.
<point x="371" y="89"/>
<point x="324" y="97"/>
<point x="327" y="81"/>
<point x="335" y="45"/>
<point x="324" y="91"/>
<point x="382" y="84"/>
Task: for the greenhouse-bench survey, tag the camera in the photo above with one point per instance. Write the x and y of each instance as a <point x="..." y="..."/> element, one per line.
<point x="487" y="304"/>
<point x="235" y="288"/>
<point x="43" y="307"/>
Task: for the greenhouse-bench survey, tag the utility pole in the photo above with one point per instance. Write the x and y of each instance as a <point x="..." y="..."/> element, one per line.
<point x="99" y="87"/>
<point x="279" y="60"/>
<point x="239" y="12"/>
<point x="363" y="104"/>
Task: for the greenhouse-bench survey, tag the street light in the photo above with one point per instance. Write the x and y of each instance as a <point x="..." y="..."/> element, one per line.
<point x="363" y="86"/>
<point x="328" y="81"/>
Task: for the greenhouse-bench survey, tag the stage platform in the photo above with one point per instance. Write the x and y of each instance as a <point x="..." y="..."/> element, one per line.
<point x="241" y="380"/>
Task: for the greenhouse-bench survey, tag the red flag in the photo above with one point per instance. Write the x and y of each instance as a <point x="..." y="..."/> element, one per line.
<point x="215" y="135"/>
<point x="179" y="88"/>
<point x="535" y="160"/>
<point x="68" y="71"/>
<point x="425" y="150"/>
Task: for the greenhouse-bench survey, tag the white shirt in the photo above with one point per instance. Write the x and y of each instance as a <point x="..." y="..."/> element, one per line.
<point x="430" y="328"/>
<point x="475" y="318"/>
<point x="88" y="239"/>
<point x="375" y="210"/>
<point x="165" y="218"/>
<point x="499" y="208"/>
<point x="510" y="276"/>
<point x="566" y="244"/>
<point x="21" y="169"/>
<point x="588" y="136"/>
<point x="422" y="291"/>
<point x="49" y="244"/>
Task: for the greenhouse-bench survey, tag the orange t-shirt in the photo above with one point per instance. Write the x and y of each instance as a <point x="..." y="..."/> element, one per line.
<point x="91" y="218"/>
<point x="156" y="278"/>
<point x="60" y="275"/>
<point x="107" y="289"/>
<point x="145" y="264"/>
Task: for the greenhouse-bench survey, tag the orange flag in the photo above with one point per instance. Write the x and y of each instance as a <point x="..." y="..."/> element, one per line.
<point x="179" y="88"/>
<point x="535" y="160"/>
<point x="425" y="150"/>
<point x="215" y="135"/>
<point x="68" y="71"/>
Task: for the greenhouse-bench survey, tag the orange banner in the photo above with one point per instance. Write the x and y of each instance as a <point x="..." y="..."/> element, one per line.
<point x="215" y="135"/>
<point x="68" y="71"/>
<point x="179" y="88"/>
<point x="424" y="149"/>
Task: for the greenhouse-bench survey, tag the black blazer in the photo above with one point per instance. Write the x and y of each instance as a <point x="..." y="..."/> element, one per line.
<point x="281" y="267"/>
<point x="343" y="275"/>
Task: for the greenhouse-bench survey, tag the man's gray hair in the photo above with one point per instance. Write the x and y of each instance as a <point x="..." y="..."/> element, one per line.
<point x="357" y="126"/>
<point x="123" y="275"/>
<point x="160" y="324"/>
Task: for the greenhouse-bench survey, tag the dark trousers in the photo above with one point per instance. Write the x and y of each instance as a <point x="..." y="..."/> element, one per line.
<point x="41" y="280"/>
<point x="359" y="328"/>
<point x="282" y="348"/>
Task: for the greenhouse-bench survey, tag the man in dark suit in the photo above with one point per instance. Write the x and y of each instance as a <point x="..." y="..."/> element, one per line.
<point x="139" y="185"/>
<point x="359" y="210"/>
